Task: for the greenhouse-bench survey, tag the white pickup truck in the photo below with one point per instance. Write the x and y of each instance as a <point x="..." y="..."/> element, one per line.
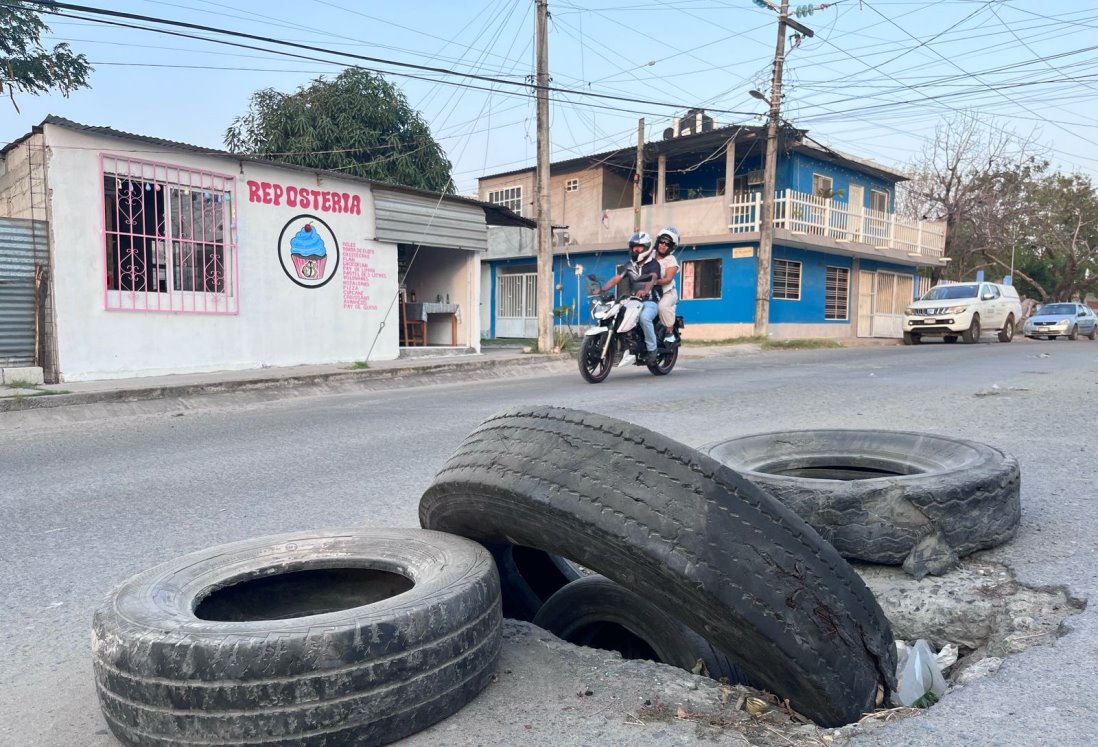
<point x="963" y="310"/>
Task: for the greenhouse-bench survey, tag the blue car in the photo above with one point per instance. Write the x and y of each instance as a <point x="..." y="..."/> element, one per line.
<point x="1062" y="320"/>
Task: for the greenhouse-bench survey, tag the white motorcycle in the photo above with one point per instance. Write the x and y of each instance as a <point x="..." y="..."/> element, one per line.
<point x="616" y="338"/>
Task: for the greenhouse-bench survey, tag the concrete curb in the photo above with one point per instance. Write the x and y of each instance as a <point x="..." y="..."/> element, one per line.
<point x="139" y="394"/>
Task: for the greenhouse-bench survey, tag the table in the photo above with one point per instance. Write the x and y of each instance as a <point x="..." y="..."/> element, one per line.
<point x="421" y="309"/>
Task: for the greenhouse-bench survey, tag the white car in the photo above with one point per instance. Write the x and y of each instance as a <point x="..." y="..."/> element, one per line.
<point x="963" y="310"/>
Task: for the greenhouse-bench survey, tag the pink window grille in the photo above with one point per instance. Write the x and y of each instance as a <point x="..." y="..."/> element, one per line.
<point x="169" y="238"/>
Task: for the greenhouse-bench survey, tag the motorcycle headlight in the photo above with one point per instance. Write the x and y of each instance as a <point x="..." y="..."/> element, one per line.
<point x="600" y="310"/>
<point x="956" y="309"/>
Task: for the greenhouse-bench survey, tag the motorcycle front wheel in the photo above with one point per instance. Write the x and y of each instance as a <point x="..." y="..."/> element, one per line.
<point x="664" y="362"/>
<point x="593" y="365"/>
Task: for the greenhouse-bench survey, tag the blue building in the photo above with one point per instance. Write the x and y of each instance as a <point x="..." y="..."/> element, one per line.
<point x="843" y="264"/>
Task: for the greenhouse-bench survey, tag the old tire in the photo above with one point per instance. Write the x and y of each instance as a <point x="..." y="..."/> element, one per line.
<point x="315" y="638"/>
<point x="890" y="497"/>
<point x="686" y="533"/>
<point x="528" y="577"/>
<point x="1074" y="333"/>
<point x="1006" y="334"/>
<point x="596" y="612"/>
<point x="972" y="334"/>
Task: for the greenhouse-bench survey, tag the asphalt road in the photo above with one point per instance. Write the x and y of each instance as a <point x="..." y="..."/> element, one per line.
<point x="92" y="495"/>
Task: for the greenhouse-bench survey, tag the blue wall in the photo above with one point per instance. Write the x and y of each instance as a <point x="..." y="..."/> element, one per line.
<point x="737" y="301"/>
<point x="798" y="175"/>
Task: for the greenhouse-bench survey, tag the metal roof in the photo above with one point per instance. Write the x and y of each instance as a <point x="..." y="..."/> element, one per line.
<point x="495" y="215"/>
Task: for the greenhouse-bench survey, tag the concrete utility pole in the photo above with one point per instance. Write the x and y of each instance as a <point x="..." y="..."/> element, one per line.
<point x="770" y="170"/>
<point x="545" y="221"/>
<point x="638" y="176"/>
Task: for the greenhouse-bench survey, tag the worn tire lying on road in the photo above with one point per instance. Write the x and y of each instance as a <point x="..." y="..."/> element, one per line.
<point x="890" y="497"/>
<point x="528" y="577"/>
<point x="596" y="612"/>
<point x="686" y="533"/>
<point x="315" y="638"/>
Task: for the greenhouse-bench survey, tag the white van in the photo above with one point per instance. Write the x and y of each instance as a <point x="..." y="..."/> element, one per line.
<point x="963" y="310"/>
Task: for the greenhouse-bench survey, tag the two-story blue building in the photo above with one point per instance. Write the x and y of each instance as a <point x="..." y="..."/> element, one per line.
<point x="843" y="264"/>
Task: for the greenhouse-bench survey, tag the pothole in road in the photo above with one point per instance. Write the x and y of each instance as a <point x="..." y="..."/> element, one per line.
<point x="979" y="607"/>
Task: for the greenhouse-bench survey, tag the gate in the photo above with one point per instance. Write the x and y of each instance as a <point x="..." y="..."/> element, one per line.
<point x="22" y="248"/>
<point x="882" y="298"/>
<point x="517" y="305"/>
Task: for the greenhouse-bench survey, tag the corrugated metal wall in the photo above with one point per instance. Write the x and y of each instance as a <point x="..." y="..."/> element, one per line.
<point x="417" y="219"/>
<point x="18" y="241"/>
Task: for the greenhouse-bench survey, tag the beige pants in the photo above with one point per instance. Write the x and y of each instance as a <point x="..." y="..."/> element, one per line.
<point x="668" y="303"/>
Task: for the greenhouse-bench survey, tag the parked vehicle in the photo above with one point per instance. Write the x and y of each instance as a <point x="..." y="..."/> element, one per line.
<point x="963" y="310"/>
<point x="616" y="334"/>
<point x="1062" y="320"/>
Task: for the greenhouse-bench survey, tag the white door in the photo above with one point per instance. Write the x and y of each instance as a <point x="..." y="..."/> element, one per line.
<point x="517" y="305"/>
<point x="856" y="202"/>
<point x="866" y="289"/>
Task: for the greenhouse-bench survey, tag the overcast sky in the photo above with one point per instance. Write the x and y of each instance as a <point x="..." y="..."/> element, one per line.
<point x="876" y="79"/>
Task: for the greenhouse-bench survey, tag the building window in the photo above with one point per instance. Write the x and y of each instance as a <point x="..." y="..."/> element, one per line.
<point x="822" y="186"/>
<point x="511" y="198"/>
<point x="720" y="186"/>
<point x="878" y="200"/>
<point x="168" y="241"/>
<point x="787" y="280"/>
<point x="670" y="192"/>
<point x="837" y="293"/>
<point x="572" y="185"/>
<point x="701" y="278"/>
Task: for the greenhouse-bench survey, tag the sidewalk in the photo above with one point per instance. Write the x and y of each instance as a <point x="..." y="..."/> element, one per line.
<point x="491" y="358"/>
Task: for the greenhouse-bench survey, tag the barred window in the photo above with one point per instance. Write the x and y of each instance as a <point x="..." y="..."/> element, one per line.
<point x="701" y="278"/>
<point x="837" y="293"/>
<point x="168" y="239"/>
<point x="511" y="197"/>
<point x="572" y="185"/>
<point x="787" y="280"/>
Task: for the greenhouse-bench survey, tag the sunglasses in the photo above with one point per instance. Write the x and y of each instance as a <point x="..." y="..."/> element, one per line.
<point x="664" y="241"/>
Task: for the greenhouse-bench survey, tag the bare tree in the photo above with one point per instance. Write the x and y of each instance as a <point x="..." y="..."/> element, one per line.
<point x="959" y="179"/>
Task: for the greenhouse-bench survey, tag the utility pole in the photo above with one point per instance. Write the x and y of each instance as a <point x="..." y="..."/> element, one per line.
<point x="545" y="221"/>
<point x="638" y="176"/>
<point x="770" y="168"/>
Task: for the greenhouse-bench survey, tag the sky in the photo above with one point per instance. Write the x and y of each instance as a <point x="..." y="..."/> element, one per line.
<point x="874" y="81"/>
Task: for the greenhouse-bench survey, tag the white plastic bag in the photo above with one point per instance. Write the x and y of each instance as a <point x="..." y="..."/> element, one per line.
<point x="920" y="681"/>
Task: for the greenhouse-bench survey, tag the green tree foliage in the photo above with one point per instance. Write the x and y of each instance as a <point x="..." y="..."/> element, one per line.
<point x="28" y="67"/>
<point x="357" y="123"/>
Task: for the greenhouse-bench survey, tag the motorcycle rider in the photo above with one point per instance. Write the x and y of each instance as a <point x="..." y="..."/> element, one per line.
<point x="667" y="241"/>
<point x="642" y="271"/>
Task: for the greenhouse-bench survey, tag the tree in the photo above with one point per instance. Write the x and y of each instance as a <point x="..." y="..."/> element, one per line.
<point x="28" y="67"/>
<point x="357" y="123"/>
<point x="960" y="178"/>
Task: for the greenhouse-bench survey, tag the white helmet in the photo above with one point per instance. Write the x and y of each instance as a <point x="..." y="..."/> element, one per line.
<point x="672" y="233"/>
<point x="640" y="238"/>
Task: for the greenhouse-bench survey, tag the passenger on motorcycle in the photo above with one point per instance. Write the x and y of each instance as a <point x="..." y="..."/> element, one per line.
<point x="641" y="272"/>
<point x="667" y="241"/>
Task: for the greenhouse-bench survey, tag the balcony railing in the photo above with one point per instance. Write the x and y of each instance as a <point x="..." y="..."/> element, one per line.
<point x="809" y="215"/>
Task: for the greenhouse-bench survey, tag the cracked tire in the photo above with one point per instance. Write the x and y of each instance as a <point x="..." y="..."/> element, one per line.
<point x="528" y="577"/>
<point x="686" y="533"/>
<point x="357" y="637"/>
<point x="889" y="497"/>
<point x="594" y="611"/>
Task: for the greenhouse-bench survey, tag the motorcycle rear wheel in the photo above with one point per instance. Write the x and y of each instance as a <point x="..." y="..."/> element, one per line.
<point x="665" y="362"/>
<point x="593" y="366"/>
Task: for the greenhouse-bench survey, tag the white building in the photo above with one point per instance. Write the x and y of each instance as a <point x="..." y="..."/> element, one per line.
<point x="124" y="255"/>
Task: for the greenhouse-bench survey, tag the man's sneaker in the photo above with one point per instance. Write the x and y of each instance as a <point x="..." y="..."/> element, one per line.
<point x="669" y="338"/>
<point x="627" y="360"/>
<point x="651" y="358"/>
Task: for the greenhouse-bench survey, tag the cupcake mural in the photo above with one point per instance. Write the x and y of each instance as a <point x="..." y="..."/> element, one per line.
<point x="308" y="251"/>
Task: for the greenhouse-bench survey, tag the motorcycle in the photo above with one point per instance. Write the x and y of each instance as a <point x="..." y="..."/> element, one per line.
<point x="616" y="333"/>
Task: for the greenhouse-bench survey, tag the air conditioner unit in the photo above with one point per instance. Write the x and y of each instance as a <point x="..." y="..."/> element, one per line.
<point x="754" y="177"/>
